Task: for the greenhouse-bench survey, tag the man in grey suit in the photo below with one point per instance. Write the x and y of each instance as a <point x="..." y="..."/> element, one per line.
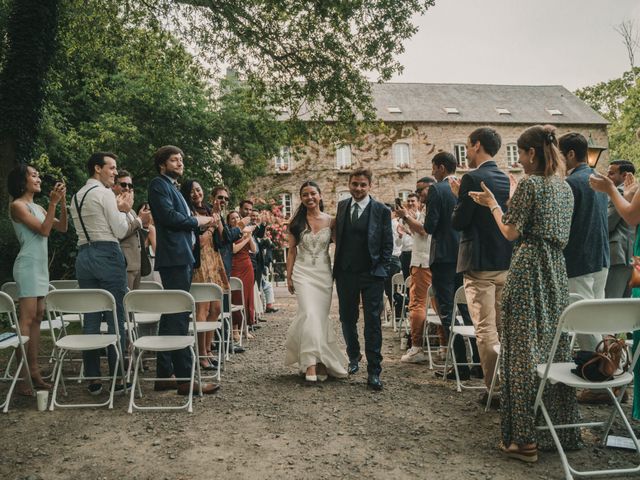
<point x="133" y="241"/>
<point x="621" y="237"/>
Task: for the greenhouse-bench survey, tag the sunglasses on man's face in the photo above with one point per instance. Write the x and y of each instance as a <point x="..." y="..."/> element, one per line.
<point x="126" y="185"/>
<point x="222" y="197"/>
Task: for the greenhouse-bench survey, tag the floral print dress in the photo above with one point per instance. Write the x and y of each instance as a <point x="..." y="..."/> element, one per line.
<point x="535" y="294"/>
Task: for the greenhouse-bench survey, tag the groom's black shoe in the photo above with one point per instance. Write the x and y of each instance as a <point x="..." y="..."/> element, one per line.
<point x="374" y="382"/>
<point x="353" y="365"/>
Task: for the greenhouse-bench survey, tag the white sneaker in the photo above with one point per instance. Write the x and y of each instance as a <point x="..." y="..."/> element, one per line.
<point x="414" y="355"/>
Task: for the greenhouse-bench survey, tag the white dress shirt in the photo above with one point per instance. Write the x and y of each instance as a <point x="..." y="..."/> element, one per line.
<point x="103" y="220"/>
<point x="421" y="246"/>
<point x="397" y="240"/>
<point x="362" y="204"/>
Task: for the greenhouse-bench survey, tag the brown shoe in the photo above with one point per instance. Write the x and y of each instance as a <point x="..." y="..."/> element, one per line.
<point x="207" y="388"/>
<point x="162" y="385"/>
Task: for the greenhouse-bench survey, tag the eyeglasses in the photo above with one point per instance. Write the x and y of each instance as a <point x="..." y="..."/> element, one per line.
<point x="126" y="185"/>
<point x="222" y="197"/>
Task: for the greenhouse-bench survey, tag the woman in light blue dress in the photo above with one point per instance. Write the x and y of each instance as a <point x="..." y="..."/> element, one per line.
<point x="32" y="225"/>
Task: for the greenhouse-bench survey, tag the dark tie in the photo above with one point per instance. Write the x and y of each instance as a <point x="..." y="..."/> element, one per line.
<point x="354" y="214"/>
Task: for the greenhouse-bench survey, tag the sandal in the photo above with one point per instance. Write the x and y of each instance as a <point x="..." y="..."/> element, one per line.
<point x="528" y="454"/>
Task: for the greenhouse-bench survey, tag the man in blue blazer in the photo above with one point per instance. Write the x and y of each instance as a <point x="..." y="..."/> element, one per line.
<point x="444" y="254"/>
<point x="176" y="239"/>
<point x="587" y="251"/>
<point x="484" y="254"/>
<point x="364" y="244"/>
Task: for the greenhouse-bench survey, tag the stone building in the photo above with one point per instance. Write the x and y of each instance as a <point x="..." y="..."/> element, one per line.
<point x="422" y="119"/>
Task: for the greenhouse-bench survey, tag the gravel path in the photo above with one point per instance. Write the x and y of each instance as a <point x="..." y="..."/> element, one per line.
<point x="266" y="423"/>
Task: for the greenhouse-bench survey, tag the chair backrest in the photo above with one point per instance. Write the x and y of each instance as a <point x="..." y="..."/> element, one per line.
<point x="430" y="294"/>
<point x="206" y="292"/>
<point x="79" y="300"/>
<point x="235" y="284"/>
<point x="11" y="289"/>
<point x="613" y="315"/>
<point x="460" y="297"/>
<point x="64" y="284"/>
<point x="575" y="297"/>
<point x="397" y="280"/>
<point x="6" y="303"/>
<point x="158" y="301"/>
<point x="150" y="285"/>
<point x="407" y="282"/>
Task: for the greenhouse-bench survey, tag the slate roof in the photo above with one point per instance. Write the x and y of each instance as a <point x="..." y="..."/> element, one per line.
<point x="526" y="104"/>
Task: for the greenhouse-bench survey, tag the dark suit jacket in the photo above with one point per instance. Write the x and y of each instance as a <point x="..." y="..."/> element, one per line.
<point x="588" y="248"/>
<point x="482" y="246"/>
<point x="380" y="236"/>
<point x="174" y="225"/>
<point x="224" y="244"/>
<point x="444" y="238"/>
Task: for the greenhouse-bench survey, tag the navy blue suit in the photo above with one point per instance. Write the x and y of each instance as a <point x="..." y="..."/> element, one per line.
<point x="363" y="277"/>
<point x="588" y="248"/>
<point x="176" y="238"/>
<point x="442" y="259"/>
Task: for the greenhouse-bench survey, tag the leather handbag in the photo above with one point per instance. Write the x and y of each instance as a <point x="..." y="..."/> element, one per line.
<point x="634" y="281"/>
<point x="611" y="356"/>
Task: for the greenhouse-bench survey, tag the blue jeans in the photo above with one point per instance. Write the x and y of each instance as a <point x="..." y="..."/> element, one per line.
<point x="102" y="265"/>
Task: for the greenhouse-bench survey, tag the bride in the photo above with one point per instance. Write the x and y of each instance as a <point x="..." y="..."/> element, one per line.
<point x="311" y="341"/>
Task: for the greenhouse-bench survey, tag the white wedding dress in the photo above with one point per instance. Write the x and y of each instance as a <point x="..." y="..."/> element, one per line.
<point x="311" y="338"/>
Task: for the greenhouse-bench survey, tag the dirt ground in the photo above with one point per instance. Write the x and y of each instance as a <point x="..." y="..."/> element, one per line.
<point x="266" y="423"/>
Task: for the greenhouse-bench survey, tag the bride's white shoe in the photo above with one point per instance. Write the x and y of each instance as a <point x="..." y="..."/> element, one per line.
<point x="311" y="378"/>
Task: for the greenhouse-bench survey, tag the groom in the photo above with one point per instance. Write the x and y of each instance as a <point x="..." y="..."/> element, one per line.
<point x="364" y="242"/>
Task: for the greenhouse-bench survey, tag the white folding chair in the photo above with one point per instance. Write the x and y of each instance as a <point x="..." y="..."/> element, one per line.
<point x="162" y="302"/>
<point x="16" y="341"/>
<point x="82" y="301"/>
<point x="235" y="285"/>
<point x="397" y="286"/>
<point x="587" y="317"/>
<point x="405" y="307"/>
<point x="150" y="285"/>
<point x="209" y="292"/>
<point x="432" y="319"/>
<point x="468" y="332"/>
<point x="573" y="297"/>
<point x="64" y="284"/>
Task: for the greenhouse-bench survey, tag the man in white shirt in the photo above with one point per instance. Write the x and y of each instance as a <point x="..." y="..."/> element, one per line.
<point x="100" y="220"/>
<point x="420" y="282"/>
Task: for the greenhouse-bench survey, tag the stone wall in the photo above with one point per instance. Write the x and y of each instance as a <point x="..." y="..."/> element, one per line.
<point x="318" y="163"/>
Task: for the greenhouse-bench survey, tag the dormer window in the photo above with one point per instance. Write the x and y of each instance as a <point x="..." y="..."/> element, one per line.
<point x="554" y="111"/>
<point x="502" y="111"/>
<point x="394" y="109"/>
<point x="451" y="110"/>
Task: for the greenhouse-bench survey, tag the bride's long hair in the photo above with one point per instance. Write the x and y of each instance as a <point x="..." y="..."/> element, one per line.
<point x="298" y="223"/>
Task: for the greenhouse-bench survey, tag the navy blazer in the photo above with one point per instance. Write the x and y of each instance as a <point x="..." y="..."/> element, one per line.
<point x="380" y="237"/>
<point x="444" y="238"/>
<point x="224" y="244"/>
<point x="482" y="245"/>
<point x="175" y="227"/>
<point x="588" y="248"/>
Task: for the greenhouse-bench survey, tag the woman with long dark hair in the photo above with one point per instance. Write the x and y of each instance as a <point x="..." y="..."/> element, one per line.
<point x="535" y="294"/>
<point x="311" y="342"/>
<point x="210" y="269"/>
<point x="32" y="225"/>
<point x="242" y="268"/>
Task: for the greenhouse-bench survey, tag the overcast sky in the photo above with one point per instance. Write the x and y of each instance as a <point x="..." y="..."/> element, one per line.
<point x="522" y="42"/>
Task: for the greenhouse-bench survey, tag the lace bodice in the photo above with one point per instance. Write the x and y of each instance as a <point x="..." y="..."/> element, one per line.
<point x="314" y="247"/>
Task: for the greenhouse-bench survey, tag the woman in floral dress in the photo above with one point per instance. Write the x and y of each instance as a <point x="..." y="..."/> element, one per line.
<point x="535" y="294"/>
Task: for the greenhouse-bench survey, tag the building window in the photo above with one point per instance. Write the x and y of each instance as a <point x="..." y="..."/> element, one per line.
<point x="343" y="195"/>
<point x="343" y="157"/>
<point x="460" y="151"/>
<point x="285" y="201"/>
<point x="283" y="160"/>
<point x="404" y="195"/>
<point x="512" y="155"/>
<point x="401" y="155"/>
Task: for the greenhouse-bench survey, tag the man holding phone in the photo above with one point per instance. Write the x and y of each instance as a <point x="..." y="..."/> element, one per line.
<point x="132" y="244"/>
<point x="420" y="277"/>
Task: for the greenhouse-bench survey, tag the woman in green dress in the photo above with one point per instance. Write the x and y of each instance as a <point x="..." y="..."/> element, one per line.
<point x="535" y="294"/>
<point x="32" y="225"/>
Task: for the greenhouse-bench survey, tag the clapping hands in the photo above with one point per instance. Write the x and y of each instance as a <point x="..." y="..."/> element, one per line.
<point x="454" y="183"/>
<point x="58" y="193"/>
<point x="630" y="186"/>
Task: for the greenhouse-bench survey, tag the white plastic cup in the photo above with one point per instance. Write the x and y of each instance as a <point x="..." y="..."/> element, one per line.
<point x="403" y="343"/>
<point x="42" y="397"/>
